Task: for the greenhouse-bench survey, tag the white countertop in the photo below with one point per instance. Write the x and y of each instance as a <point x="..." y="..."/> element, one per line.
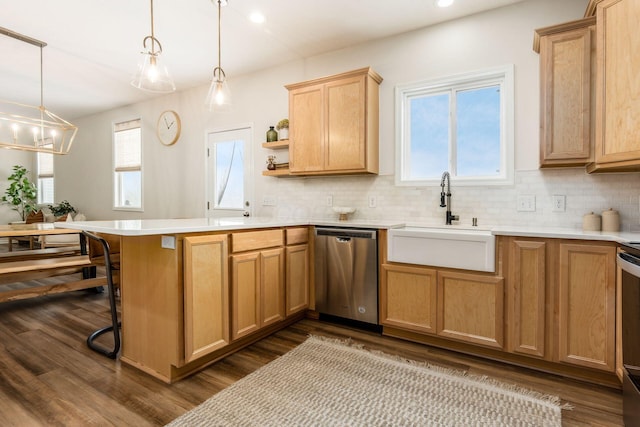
<point x="144" y="227"/>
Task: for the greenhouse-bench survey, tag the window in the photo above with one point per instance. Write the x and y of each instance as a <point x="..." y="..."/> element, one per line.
<point x="127" y="165"/>
<point x="45" y="176"/>
<point x="462" y="124"/>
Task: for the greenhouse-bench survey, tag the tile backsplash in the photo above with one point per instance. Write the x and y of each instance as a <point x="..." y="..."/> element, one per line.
<point x="307" y="197"/>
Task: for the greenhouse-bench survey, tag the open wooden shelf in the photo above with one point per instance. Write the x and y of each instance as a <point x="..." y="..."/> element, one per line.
<point x="283" y="143"/>
<point x="277" y="172"/>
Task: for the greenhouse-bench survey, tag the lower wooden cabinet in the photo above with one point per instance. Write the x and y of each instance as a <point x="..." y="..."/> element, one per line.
<point x="257" y="290"/>
<point x="463" y="306"/>
<point x="206" y="295"/>
<point x="471" y="308"/>
<point x="408" y="298"/>
<point x="551" y="304"/>
<point x="586" y="305"/>
<point x="297" y="278"/>
<point x="561" y="301"/>
<point x="527" y="302"/>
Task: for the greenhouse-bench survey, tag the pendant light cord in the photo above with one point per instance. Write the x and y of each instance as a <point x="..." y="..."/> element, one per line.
<point x="219" y="21"/>
<point x="153" y="36"/>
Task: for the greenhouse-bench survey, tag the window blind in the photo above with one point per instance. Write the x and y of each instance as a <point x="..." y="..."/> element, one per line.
<point x="128" y="148"/>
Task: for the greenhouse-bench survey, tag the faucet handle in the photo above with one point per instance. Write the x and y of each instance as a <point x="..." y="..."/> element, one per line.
<point x="442" y="204"/>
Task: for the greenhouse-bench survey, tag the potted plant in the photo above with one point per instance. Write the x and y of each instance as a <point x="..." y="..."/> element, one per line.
<point x="21" y="193"/>
<point x="63" y="208"/>
<point x="283" y="128"/>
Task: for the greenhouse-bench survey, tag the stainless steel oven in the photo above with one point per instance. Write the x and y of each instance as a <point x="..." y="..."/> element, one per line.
<point x="629" y="263"/>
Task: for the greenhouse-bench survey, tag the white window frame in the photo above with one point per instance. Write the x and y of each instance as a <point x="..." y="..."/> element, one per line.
<point x="45" y="175"/>
<point x="115" y="192"/>
<point x="403" y="94"/>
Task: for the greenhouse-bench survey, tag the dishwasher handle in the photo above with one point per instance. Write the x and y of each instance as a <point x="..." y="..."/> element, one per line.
<point x="347" y="233"/>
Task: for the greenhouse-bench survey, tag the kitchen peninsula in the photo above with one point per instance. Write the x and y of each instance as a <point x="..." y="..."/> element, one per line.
<point x="196" y="290"/>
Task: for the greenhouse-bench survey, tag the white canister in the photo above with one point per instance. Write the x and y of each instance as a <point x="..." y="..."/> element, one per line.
<point x="610" y="220"/>
<point x="591" y="222"/>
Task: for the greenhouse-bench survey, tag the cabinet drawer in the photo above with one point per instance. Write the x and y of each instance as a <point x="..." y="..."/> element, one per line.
<point x="297" y="235"/>
<point x="252" y="240"/>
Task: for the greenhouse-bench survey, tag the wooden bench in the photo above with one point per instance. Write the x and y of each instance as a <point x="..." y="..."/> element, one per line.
<point x="30" y="269"/>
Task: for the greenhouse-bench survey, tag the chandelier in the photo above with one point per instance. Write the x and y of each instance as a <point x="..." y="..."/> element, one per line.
<point x="31" y="128"/>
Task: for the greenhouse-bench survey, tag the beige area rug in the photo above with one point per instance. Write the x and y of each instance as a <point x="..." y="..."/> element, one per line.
<point x="325" y="382"/>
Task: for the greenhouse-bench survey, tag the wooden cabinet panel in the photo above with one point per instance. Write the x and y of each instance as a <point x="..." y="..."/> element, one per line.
<point x="471" y="308"/>
<point x="245" y="295"/>
<point x="252" y="240"/>
<point x="408" y="298"/>
<point x="345" y="110"/>
<point x="587" y="305"/>
<point x="527" y="298"/>
<point x="206" y="295"/>
<point x="567" y="94"/>
<point x="295" y="236"/>
<point x="617" y="89"/>
<point x="297" y="278"/>
<point x="272" y="286"/>
<point x="257" y="296"/>
<point x="306" y="116"/>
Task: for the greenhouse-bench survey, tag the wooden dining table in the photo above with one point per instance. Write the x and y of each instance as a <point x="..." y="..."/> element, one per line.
<point x="33" y="229"/>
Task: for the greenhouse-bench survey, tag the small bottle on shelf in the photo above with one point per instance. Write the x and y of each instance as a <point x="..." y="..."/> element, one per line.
<point x="272" y="135"/>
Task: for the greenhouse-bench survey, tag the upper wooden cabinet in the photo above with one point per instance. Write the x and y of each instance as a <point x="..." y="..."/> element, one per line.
<point x="567" y="59"/>
<point x="334" y="124"/>
<point x="617" y="130"/>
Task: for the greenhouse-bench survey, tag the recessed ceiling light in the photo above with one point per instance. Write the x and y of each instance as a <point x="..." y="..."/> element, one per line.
<point x="444" y="3"/>
<point x="256" y="17"/>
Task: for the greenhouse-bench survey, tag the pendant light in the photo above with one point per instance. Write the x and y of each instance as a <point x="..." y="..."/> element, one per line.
<point x="152" y="74"/>
<point x="219" y="97"/>
<point x="30" y="128"/>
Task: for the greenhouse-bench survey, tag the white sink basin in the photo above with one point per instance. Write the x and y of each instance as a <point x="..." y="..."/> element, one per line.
<point x="454" y="247"/>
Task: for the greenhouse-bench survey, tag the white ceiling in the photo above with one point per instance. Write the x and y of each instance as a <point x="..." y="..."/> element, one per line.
<point x="93" y="45"/>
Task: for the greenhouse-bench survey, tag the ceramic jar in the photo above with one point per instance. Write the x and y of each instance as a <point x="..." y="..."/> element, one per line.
<point x="591" y="222"/>
<point x="610" y="220"/>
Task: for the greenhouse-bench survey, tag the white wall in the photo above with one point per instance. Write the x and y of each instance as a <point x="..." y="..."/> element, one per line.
<point x="174" y="176"/>
<point x="9" y="158"/>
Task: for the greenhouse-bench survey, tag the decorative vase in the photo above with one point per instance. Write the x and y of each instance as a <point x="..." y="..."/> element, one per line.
<point x="271" y="165"/>
<point x="284" y="133"/>
<point x="272" y="135"/>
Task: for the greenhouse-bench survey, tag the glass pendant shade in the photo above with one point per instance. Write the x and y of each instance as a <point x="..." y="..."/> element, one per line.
<point x="152" y="75"/>
<point x="219" y="96"/>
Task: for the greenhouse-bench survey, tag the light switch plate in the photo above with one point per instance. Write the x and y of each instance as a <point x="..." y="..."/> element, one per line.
<point x="526" y="203"/>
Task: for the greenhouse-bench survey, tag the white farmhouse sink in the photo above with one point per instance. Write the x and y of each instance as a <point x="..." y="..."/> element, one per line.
<point x="464" y="248"/>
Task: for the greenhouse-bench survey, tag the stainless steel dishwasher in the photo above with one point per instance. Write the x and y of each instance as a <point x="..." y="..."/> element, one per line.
<point x="346" y="273"/>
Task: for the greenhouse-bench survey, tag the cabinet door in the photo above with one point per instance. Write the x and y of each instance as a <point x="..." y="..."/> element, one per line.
<point x="206" y="295"/>
<point x="470" y="308"/>
<point x="307" y="131"/>
<point x="566" y="98"/>
<point x="345" y="127"/>
<point x="618" y="92"/>
<point x="587" y="305"/>
<point x="245" y="294"/>
<point x="297" y="278"/>
<point x="408" y="298"/>
<point x="271" y="286"/>
<point x="527" y="297"/>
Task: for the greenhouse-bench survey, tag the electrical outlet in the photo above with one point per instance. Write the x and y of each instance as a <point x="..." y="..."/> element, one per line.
<point x="329" y="200"/>
<point x="526" y="203"/>
<point x="558" y="203"/>
<point x="373" y="202"/>
<point x="269" y="201"/>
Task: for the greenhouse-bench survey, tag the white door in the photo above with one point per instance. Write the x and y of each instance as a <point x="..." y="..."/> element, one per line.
<point x="229" y="175"/>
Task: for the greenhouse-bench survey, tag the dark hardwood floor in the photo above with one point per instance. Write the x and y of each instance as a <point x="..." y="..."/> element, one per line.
<point x="48" y="376"/>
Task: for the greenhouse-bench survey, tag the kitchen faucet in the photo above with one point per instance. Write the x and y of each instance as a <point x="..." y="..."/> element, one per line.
<point x="450" y="217"/>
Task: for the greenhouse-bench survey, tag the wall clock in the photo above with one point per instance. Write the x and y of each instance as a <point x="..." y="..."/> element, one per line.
<point x="168" y="127"/>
